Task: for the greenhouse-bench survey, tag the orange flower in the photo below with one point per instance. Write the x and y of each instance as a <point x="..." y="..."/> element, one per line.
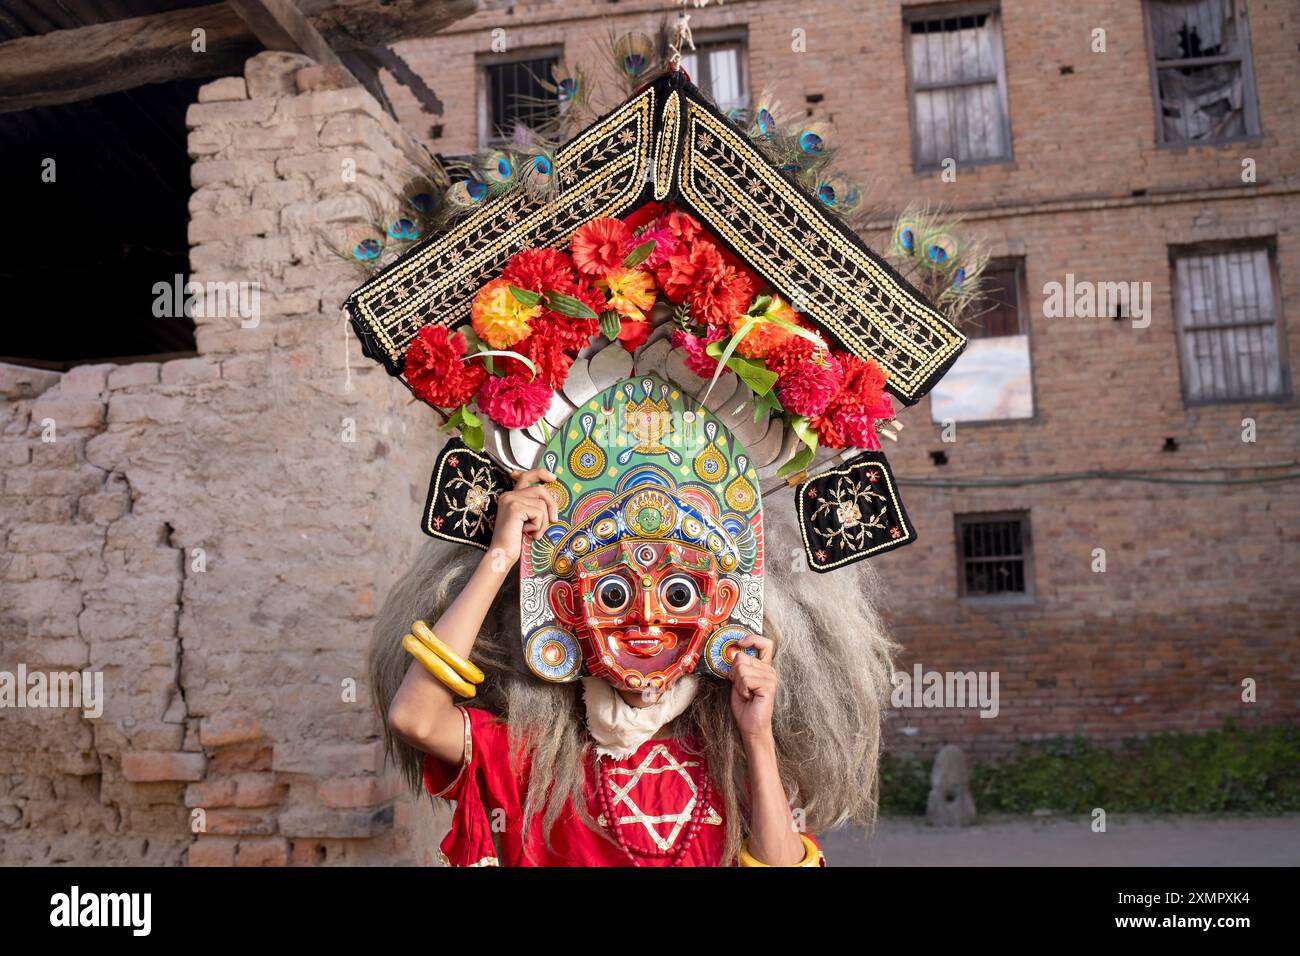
<point x="765" y="336"/>
<point x="499" y="318"/>
<point x="597" y="247"/>
<point x="631" y="292"/>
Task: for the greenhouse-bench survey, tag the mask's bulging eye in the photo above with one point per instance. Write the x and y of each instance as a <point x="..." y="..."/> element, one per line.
<point x="679" y="593"/>
<point x="613" y="594"/>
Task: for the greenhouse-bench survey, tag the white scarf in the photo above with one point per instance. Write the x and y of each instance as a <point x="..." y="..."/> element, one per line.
<point x="619" y="728"/>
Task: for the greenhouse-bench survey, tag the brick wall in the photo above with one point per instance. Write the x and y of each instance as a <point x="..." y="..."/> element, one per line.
<point x="227" y="688"/>
<point x="1200" y="590"/>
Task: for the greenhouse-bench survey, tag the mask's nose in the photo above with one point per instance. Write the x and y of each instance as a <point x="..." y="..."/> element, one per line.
<point x="648" y="605"/>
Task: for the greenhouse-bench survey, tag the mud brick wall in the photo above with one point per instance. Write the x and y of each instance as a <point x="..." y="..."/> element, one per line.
<point x="227" y="688"/>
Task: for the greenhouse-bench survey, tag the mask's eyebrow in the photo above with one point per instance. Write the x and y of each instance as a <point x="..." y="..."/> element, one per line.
<point x="674" y="556"/>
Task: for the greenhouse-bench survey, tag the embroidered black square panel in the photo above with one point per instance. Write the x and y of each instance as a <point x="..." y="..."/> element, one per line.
<point x="669" y="144"/>
<point x="851" y="512"/>
<point x="462" y="502"/>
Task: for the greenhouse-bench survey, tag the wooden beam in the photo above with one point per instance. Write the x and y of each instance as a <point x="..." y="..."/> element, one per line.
<point x="280" y="25"/>
<point x="65" y="66"/>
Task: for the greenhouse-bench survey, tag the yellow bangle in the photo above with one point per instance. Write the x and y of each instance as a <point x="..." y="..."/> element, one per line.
<point x="812" y="856"/>
<point x="436" y="666"/>
<point x="461" y="666"/>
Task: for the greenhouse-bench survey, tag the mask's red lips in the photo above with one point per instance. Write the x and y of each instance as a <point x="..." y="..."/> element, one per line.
<point x="643" y="642"/>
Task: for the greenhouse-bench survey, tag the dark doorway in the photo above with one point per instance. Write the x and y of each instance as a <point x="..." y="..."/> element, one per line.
<point x="87" y="249"/>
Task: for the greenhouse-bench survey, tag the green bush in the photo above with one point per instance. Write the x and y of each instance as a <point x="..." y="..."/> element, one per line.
<point x="1224" y="771"/>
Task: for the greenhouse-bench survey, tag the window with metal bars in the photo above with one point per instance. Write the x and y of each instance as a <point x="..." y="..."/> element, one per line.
<point x="993" y="555"/>
<point x="1201" y="70"/>
<point x="718" y="67"/>
<point x="1228" y="329"/>
<point x="957" y="86"/>
<point x="513" y="93"/>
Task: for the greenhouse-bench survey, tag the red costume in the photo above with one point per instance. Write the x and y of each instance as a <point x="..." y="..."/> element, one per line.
<point x="664" y="808"/>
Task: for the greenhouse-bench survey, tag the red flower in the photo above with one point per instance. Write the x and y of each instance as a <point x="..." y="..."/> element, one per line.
<point x="687" y="267"/>
<point x="682" y="225"/>
<point x="540" y="269"/>
<point x="850" y="418"/>
<point x="434" y="369"/>
<point x="809" y="387"/>
<point x="632" y="335"/>
<point x="790" y="354"/>
<point x="548" y="347"/>
<point x="696" y="359"/>
<point x="597" y="247"/>
<point x="513" y="401"/>
<point x="721" y="296"/>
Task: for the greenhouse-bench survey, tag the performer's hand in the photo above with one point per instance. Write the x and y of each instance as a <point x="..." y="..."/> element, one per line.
<point x="522" y="515"/>
<point x="753" y="689"/>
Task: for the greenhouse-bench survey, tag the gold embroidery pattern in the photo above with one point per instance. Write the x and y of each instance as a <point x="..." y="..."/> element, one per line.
<point x="855" y="520"/>
<point x="782" y="234"/>
<point x="600" y="173"/>
<point x="666" y="163"/>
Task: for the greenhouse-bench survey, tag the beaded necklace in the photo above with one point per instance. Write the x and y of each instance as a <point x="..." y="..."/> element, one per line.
<point x="605" y="788"/>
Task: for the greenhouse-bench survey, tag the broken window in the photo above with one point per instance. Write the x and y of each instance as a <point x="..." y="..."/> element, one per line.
<point x="992" y="380"/>
<point x="957" y="86"/>
<point x="1227" y="324"/>
<point x="1200" y="51"/>
<point x="514" y="93"/>
<point x="717" y="65"/>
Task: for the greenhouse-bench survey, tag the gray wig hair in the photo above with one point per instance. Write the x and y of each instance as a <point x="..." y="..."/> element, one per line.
<point x="833" y="666"/>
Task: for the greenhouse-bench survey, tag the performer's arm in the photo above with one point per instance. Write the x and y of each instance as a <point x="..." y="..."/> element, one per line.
<point x="423" y="712"/>
<point x="772" y="839"/>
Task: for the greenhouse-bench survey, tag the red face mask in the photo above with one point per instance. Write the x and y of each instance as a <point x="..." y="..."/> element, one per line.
<point x="642" y="610"/>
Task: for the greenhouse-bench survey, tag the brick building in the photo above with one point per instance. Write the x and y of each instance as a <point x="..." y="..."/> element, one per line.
<point x="214" y="530"/>
<point x="1109" y="142"/>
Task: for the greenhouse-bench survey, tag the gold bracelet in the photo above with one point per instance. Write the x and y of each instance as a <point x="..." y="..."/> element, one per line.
<point x="436" y="666"/>
<point x="461" y="666"/>
<point x="812" y="855"/>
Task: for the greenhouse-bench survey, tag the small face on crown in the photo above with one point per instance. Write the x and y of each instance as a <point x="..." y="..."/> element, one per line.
<point x="643" y="608"/>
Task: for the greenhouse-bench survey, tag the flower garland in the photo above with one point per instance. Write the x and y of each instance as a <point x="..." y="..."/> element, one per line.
<point x="527" y="326"/>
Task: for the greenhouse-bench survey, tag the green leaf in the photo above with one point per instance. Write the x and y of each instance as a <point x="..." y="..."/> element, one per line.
<point x="524" y="296"/>
<point x="454" y="420"/>
<point x="766" y="405"/>
<point x="611" y="323"/>
<point x="472" y="342"/>
<point x="468" y="417"/>
<point x="568" y="305"/>
<point x="798" y="463"/>
<point x="760" y="305"/>
<point x="639" y="255"/>
<point x="753" y="373"/>
<point x="803" y="428"/>
<point x="472" y="436"/>
<point x="724" y="356"/>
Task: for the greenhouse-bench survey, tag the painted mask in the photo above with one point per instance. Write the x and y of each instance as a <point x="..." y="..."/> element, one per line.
<point x="654" y="568"/>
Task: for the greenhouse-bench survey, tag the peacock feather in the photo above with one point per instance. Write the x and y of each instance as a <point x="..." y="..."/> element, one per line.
<point x="538" y="171"/>
<point x="932" y="252"/>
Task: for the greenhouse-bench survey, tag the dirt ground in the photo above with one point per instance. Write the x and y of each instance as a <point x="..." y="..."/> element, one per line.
<point x="1070" y="841"/>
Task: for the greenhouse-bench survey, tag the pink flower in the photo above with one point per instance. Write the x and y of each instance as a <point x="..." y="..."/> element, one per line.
<point x="697" y="360"/>
<point x="514" y="402"/>
<point x="809" y="387"/>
